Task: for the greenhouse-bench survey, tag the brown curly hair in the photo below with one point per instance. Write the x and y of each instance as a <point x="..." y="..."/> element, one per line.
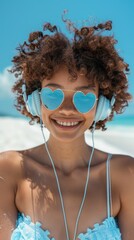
<point x="90" y="51"/>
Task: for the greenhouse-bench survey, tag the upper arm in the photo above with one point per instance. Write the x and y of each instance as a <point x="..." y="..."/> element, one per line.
<point x="8" y="211"/>
<point x="126" y="191"/>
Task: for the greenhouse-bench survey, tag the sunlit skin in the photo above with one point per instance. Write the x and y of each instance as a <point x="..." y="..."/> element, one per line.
<point x="68" y="146"/>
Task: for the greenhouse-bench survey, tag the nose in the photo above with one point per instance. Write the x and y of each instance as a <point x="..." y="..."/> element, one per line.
<point x="67" y="107"/>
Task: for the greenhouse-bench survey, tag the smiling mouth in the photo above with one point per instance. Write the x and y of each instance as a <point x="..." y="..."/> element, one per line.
<point x="66" y="125"/>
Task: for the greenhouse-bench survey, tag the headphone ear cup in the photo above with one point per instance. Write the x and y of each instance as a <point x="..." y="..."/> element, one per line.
<point x="104" y="108"/>
<point x="33" y="103"/>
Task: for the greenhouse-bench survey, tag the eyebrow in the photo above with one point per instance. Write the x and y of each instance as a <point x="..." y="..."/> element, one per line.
<point x="90" y="85"/>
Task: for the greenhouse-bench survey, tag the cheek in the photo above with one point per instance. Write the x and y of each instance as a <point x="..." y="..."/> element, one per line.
<point x="89" y="117"/>
<point x="45" y="114"/>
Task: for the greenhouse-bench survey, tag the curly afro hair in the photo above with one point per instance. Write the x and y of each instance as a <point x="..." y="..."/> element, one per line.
<point x="90" y="51"/>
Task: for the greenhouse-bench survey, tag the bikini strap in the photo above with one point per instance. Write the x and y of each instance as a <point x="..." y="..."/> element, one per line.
<point x="108" y="183"/>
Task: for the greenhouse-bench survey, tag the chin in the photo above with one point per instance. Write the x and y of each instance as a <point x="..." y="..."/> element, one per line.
<point x="64" y="138"/>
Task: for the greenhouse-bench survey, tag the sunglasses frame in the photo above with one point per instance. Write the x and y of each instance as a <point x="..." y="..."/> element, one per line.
<point x="75" y="92"/>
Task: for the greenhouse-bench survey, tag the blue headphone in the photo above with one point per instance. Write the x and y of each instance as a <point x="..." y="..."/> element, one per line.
<point x="33" y="104"/>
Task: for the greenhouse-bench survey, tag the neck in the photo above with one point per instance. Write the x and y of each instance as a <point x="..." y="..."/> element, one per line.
<point x="68" y="156"/>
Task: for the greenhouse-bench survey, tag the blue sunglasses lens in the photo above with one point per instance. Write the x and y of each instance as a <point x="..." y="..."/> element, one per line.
<point x="52" y="99"/>
<point x="84" y="102"/>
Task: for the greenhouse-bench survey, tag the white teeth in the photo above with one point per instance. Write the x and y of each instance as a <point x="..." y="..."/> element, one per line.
<point x="67" y="123"/>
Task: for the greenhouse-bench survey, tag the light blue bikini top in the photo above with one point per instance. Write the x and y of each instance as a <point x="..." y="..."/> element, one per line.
<point x="107" y="230"/>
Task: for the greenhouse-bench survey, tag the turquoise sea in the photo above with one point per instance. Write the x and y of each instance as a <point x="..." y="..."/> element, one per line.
<point x="126" y="120"/>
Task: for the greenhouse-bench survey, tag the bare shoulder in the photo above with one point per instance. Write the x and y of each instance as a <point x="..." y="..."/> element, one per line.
<point x="14" y="164"/>
<point x="9" y="156"/>
<point x="10" y="163"/>
<point x="122" y="164"/>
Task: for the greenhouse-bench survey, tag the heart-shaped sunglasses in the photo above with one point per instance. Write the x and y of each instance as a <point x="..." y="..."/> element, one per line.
<point x="53" y="99"/>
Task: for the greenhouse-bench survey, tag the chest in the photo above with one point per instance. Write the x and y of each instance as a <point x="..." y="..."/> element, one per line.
<point x="38" y="197"/>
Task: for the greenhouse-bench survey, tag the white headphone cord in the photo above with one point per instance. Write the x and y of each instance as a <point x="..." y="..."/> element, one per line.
<point x="57" y="180"/>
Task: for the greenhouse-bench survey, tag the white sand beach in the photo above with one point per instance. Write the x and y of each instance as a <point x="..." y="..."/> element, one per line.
<point x="17" y="134"/>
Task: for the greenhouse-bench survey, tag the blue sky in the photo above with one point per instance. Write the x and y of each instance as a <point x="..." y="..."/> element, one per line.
<point x="20" y="17"/>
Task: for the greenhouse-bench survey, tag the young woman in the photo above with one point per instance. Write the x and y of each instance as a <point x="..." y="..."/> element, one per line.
<point x="64" y="188"/>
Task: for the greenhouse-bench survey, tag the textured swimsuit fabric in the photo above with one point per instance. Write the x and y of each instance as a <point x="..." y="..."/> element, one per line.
<point x="25" y="230"/>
